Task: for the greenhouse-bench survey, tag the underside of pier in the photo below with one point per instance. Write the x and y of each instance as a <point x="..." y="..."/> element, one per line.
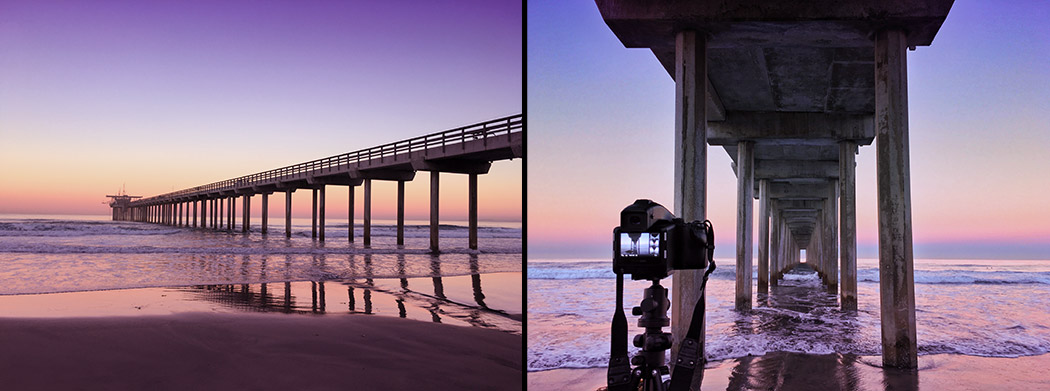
<point x="790" y="90"/>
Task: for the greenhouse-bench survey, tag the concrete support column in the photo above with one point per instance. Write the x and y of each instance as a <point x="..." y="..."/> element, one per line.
<point x="830" y="221"/>
<point x="763" y="236"/>
<point x="265" y="213"/>
<point x="288" y="213"/>
<point x="350" y="216"/>
<point x="774" y="247"/>
<point x="848" y="223"/>
<point x="400" y="213"/>
<point x="472" y="211"/>
<point x="178" y="214"/>
<point x="745" y="191"/>
<point x="221" y="209"/>
<point x="204" y="213"/>
<point x="434" y="175"/>
<point x="690" y="171"/>
<point x="896" y="266"/>
<point x="320" y="213"/>
<point x="194" y="213"/>
<point x="368" y="212"/>
<point x="247" y="224"/>
<point x="233" y="214"/>
<point x="313" y="214"/>
<point x="818" y="246"/>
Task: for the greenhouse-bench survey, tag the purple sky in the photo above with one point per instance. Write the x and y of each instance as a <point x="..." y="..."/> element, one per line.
<point x="174" y="94"/>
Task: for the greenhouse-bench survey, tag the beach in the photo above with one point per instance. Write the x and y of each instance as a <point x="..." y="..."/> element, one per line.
<point x="254" y="351"/>
<point x="799" y="371"/>
<point x="92" y="304"/>
<point x="982" y="324"/>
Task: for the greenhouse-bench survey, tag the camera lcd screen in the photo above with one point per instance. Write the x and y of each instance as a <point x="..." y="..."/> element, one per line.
<point x="639" y="245"/>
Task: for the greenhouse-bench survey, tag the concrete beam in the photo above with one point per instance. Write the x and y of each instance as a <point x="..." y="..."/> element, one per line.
<point x="778" y="190"/>
<point x="794" y="169"/>
<point x="789" y="204"/>
<point x="821" y="23"/>
<point x="383" y="174"/>
<point x="457" y="166"/>
<point x="790" y="149"/>
<point x="342" y="179"/>
<point x="789" y="125"/>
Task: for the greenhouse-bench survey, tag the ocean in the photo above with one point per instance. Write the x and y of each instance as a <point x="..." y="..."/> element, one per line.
<point x="55" y="255"/>
<point x="987" y="308"/>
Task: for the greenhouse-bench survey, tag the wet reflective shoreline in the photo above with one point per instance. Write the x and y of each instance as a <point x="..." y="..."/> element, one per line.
<point x="486" y="300"/>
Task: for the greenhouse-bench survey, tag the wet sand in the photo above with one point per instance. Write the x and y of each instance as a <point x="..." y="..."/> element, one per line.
<point x="796" y="371"/>
<point x="461" y="332"/>
<point x="196" y="351"/>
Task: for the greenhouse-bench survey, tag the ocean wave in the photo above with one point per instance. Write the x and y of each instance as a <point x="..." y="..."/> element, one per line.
<point x="76" y="249"/>
<point x="60" y="228"/>
<point x="726" y="270"/>
<point x="965" y="277"/>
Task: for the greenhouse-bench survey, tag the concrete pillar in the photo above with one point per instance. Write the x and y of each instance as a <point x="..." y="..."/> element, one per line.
<point x="313" y="214"/>
<point x="204" y="213"/>
<point x="472" y="212"/>
<point x="830" y="220"/>
<point x="818" y="246"/>
<point x="690" y="170"/>
<point x="178" y="214"/>
<point x="219" y="201"/>
<point x="288" y="213"/>
<point x="216" y="213"/>
<point x="400" y="213"/>
<point x="434" y="175"/>
<point x="896" y="266"/>
<point x="247" y="224"/>
<point x="350" y="216"/>
<point x="763" y="235"/>
<point x="233" y="214"/>
<point x="265" y="213"/>
<point x="320" y="213"/>
<point x="848" y="223"/>
<point x="745" y="194"/>
<point x="774" y="247"/>
<point x="368" y="212"/>
<point x="194" y="213"/>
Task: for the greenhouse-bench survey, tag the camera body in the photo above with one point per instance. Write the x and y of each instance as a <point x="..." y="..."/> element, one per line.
<point x="651" y="242"/>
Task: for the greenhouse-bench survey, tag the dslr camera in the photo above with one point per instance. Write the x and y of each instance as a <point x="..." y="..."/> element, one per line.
<point x="651" y="242"/>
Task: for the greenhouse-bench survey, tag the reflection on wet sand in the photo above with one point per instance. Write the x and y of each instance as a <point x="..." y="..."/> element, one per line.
<point x="786" y="307"/>
<point x="374" y="295"/>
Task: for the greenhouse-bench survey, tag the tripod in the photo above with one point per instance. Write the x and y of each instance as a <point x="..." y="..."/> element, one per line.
<point x="651" y="362"/>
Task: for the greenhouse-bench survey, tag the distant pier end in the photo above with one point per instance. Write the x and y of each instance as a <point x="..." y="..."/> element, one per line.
<point x="468" y="150"/>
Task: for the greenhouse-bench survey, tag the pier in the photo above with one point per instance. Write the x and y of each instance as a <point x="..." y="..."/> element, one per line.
<point x="791" y="91"/>
<point x="468" y="150"/>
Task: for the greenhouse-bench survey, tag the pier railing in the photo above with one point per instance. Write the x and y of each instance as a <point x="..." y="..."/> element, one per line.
<point x="483" y="132"/>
